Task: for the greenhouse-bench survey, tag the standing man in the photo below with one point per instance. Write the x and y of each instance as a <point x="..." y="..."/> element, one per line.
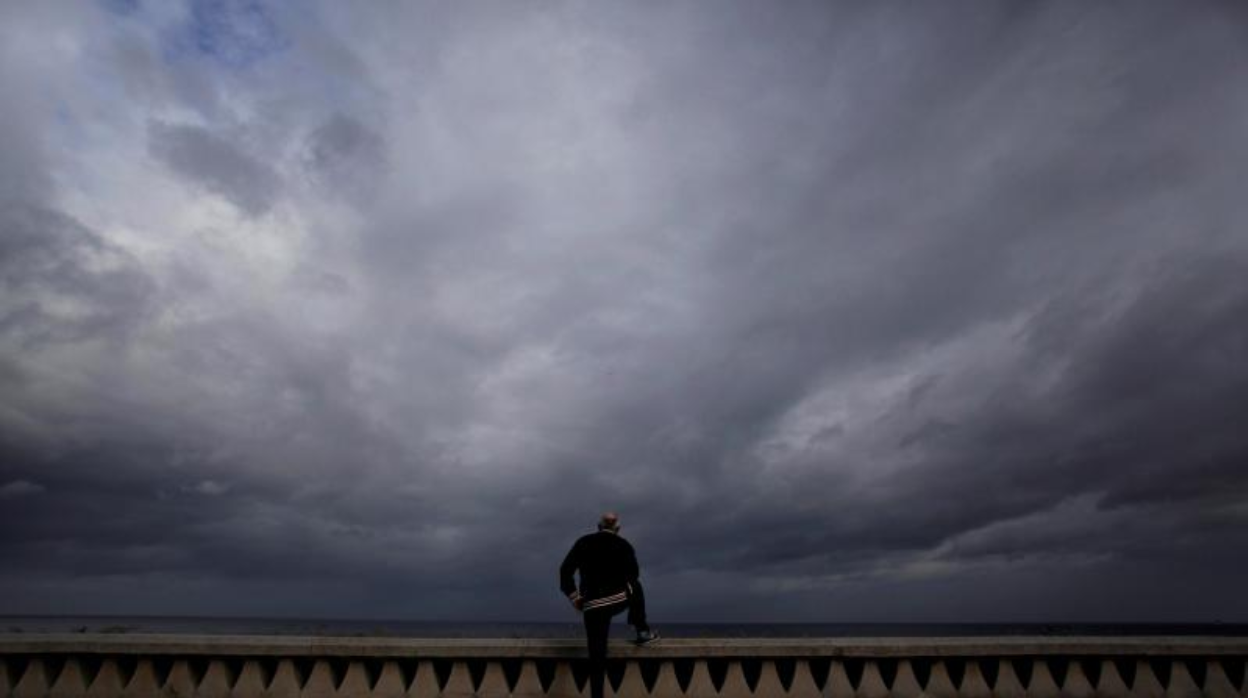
<point x="609" y="584"/>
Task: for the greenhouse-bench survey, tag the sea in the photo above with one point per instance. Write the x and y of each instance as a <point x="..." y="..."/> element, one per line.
<point x="467" y="630"/>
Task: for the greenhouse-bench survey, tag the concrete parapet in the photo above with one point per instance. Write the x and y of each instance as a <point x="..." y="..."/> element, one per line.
<point x="147" y="666"/>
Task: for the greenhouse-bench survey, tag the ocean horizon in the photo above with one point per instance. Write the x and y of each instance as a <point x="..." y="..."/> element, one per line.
<point x="18" y="624"/>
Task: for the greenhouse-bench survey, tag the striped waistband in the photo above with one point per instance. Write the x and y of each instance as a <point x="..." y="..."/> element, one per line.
<point x="605" y="601"/>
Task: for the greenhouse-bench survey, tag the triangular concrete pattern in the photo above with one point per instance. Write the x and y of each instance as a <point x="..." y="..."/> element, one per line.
<point x="735" y="685"/>
<point x="905" y="683"/>
<point x="803" y="684"/>
<point x="768" y="680"/>
<point x="666" y="684"/>
<point x="108" y="682"/>
<point x="34" y="681"/>
<point x="251" y="680"/>
<point x="216" y="682"/>
<point x="1181" y="685"/>
<point x="838" y="684"/>
<point x="1076" y="683"/>
<point x="1146" y="684"/>
<point x="144" y="683"/>
<point x="494" y="682"/>
<point x="871" y="684"/>
<point x="70" y="683"/>
<point x="564" y="683"/>
<point x="390" y="683"/>
<point x="459" y="683"/>
<point x="528" y="684"/>
<point x="182" y="680"/>
<point x="1042" y="684"/>
<point x="939" y="685"/>
<point x="425" y="682"/>
<point x="1008" y="684"/>
<point x="286" y="682"/>
<point x="355" y="682"/>
<point x="320" y="682"/>
<point x="700" y="684"/>
<point x="1217" y="683"/>
<point x="1110" y="684"/>
<point x="974" y="684"/>
<point x="632" y="684"/>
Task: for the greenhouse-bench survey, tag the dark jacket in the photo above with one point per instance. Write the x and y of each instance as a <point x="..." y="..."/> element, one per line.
<point x="607" y="565"/>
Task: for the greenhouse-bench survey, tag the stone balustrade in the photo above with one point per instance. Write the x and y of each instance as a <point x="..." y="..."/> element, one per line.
<point x="145" y="666"/>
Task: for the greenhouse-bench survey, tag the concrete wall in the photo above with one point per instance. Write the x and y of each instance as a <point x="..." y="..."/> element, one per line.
<point x="222" y="666"/>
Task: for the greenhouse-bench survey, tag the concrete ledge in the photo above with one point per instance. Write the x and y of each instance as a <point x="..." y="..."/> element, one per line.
<point x="382" y="647"/>
<point x="216" y="666"/>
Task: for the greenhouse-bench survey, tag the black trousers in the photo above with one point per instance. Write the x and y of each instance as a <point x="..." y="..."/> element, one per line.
<point x="598" y="629"/>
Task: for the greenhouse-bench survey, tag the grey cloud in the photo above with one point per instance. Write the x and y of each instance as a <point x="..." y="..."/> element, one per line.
<point x="347" y="158"/>
<point x="20" y="488"/>
<point x="1132" y="421"/>
<point x="216" y="164"/>
<point x="23" y="170"/>
<point x="901" y="315"/>
<point x="146" y="79"/>
<point x="64" y="282"/>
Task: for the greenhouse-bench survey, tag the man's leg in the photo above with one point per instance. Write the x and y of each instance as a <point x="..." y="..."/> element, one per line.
<point x="597" y="629"/>
<point x="637" y="608"/>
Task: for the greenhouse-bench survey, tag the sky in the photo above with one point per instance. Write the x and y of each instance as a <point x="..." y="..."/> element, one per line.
<point x="855" y="312"/>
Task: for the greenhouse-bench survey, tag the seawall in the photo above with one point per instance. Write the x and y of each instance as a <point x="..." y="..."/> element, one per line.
<point x="144" y="666"/>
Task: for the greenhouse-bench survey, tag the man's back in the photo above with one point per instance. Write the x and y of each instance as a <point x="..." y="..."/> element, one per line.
<point x="606" y="562"/>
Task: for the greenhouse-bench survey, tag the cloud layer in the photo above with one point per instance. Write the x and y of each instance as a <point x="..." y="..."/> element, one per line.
<point x="861" y="313"/>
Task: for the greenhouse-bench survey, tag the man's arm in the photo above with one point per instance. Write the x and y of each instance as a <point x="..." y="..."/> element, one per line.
<point x="567" y="576"/>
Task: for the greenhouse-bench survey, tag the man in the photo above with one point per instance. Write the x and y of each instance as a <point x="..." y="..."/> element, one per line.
<point x="609" y="584"/>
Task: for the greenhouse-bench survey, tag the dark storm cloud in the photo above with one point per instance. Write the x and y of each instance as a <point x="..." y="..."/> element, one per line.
<point x="899" y="314"/>
<point x="346" y="157"/>
<point x="214" y="163"/>
<point x="63" y="282"/>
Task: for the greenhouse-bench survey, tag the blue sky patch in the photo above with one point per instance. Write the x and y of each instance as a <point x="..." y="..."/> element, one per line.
<point x="234" y="33"/>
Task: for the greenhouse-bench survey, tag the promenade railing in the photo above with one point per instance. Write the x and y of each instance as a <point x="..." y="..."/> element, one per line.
<point x="147" y="666"/>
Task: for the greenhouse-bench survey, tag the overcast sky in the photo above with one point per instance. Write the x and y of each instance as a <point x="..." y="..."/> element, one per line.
<point x="854" y="311"/>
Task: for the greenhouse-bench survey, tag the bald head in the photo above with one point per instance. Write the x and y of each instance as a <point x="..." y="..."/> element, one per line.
<point x="610" y="521"/>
